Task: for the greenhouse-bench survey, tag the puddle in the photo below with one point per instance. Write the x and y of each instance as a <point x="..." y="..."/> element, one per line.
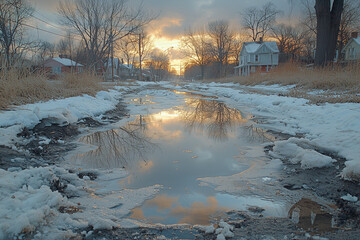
<point x="142" y="101"/>
<point x="311" y="216"/>
<point x="175" y="147"/>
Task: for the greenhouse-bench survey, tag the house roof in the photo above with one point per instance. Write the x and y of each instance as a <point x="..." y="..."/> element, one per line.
<point x="67" y="62"/>
<point x="357" y="40"/>
<point x="253" y="47"/>
<point x="117" y="62"/>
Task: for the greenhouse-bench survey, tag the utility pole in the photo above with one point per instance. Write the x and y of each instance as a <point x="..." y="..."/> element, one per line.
<point x="140" y="78"/>
<point x="112" y="54"/>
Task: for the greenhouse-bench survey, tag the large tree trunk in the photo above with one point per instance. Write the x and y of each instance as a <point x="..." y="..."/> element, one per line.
<point x="328" y="23"/>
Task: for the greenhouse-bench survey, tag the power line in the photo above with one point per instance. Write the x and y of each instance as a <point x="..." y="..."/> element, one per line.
<point x="41" y="20"/>
<point x="47" y="31"/>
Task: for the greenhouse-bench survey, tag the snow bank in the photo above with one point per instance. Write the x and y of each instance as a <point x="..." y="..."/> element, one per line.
<point x="308" y="158"/>
<point x="47" y="200"/>
<point x="335" y="127"/>
<point x="62" y="111"/>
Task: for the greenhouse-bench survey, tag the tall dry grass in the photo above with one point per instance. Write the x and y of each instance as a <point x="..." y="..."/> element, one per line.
<point x="339" y="83"/>
<point x="19" y="87"/>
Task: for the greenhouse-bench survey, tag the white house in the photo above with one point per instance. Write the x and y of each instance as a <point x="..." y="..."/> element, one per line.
<point x="120" y="69"/>
<point x="351" y="50"/>
<point x="257" y="57"/>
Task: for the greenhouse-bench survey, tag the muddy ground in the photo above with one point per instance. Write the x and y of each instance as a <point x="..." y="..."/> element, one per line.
<point x="319" y="181"/>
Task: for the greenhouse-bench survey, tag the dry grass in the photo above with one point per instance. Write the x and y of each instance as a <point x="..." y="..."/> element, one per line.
<point x="339" y="84"/>
<point x="22" y="87"/>
<point x="83" y="83"/>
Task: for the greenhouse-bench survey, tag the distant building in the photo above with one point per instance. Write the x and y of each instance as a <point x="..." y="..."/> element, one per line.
<point x="121" y="70"/>
<point x="56" y="66"/>
<point x="259" y="56"/>
<point x="351" y="50"/>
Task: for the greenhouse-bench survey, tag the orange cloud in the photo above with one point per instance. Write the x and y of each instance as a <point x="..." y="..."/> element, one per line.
<point x="198" y="213"/>
<point x="137" y="213"/>
<point x="157" y="27"/>
<point x="162" y="202"/>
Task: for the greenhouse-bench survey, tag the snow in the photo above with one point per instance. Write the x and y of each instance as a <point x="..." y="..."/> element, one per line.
<point x="223" y="231"/>
<point x="252" y="47"/>
<point x="63" y="111"/>
<point x="308" y="158"/>
<point x="357" y="40"/>
<point x="28" y="202"/>
<point x="349" y="198"/>
<point x="333" y="128"/>
<point x="67" y="62"/>
<point x="206" y="229"/>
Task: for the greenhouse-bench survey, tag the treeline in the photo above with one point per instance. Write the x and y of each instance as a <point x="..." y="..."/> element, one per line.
<point x="95" y="30"/>
<point x="213" y="51"/>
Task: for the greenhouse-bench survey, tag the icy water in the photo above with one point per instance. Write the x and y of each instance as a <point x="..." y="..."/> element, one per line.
<point x="175" y="147"/>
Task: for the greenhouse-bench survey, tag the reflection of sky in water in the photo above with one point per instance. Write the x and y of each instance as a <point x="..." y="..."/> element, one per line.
<point x="202" y="139"/>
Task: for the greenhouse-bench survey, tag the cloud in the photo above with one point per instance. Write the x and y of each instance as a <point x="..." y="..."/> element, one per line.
<point x="162" y="202"/>
<point x="198" y="212"/>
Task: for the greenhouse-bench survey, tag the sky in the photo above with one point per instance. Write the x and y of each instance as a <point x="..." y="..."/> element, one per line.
<point x="174" y="17"/>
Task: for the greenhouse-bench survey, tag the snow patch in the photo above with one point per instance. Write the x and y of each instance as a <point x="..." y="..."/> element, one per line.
<point x="349" y="198"/>
<point x="36" y="200"/>
<point x="308" y="158"/>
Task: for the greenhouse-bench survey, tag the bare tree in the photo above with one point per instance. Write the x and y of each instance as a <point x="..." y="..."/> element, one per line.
<point x="259" y="21"/>
<point x="128" y="48"/>
<point x="159" y="64"/>
<point x="45" y="50"/>
<point x="221" y="44"/>
<point x="196" y="48"/>
<point x="13" y="14"/>
<point x="100" y="24"/>
<point x="239" y="39"/>
<point x="290" y="39"/>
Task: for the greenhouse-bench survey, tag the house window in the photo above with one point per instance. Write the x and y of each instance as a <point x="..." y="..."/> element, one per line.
<point x="56" y="70"/>
<point x="256" y="58"/>
<point x="248" y="58"/>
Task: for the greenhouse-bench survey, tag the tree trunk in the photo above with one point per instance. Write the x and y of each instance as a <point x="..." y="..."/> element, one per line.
<point x="202" y="68"/>
<point x="328" y="24"/>
<point x="335" y="18"/>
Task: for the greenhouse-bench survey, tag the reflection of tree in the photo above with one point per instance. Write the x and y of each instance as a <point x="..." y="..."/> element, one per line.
<point x="115" y="148"/>
<point x="213" y="116"/>
<point x="258" y="134"/>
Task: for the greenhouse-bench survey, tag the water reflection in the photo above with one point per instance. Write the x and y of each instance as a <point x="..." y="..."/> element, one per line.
<point x="165" y="207"/>
<point x="311" y="216"/>
<point x="115" y="148"/>
<point x="212" y="116"/>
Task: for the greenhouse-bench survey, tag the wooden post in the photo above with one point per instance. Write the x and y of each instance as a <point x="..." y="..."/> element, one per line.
<point x="140" y="78"/>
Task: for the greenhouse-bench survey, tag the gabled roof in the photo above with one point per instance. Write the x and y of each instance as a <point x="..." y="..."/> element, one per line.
<point x="67" y="62"/>
<point x="253" y="47"/>
<point x="118" y="62"/>
<point x="356" y="40"/>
